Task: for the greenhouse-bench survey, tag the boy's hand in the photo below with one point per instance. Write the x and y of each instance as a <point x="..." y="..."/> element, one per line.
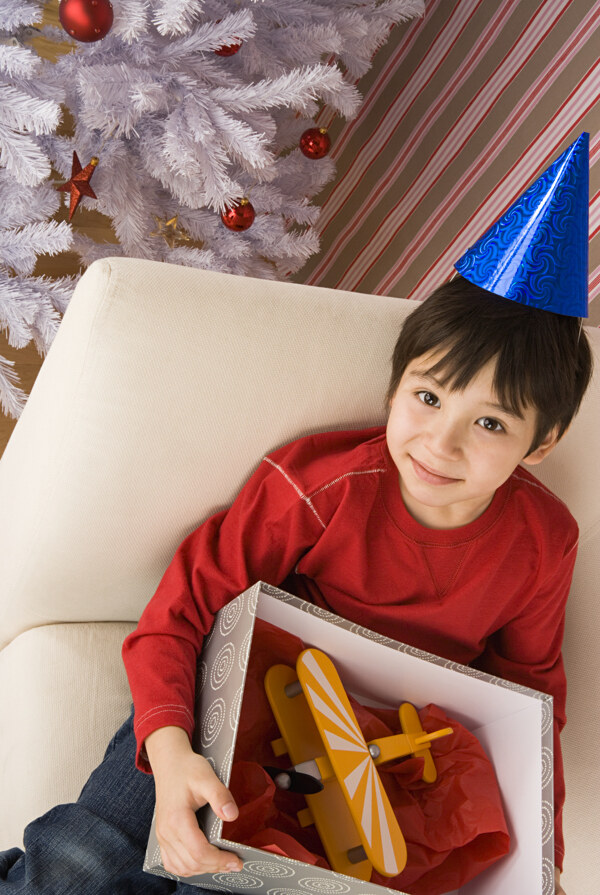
<point x="185" y="782"/>
<point x="558" y="889"/>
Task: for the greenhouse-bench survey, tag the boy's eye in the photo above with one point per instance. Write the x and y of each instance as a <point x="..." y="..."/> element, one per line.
<point x="428" y="398"/>
<point x="489" y="423"/>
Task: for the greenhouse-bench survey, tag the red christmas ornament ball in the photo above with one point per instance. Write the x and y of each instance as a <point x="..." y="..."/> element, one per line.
<point x="86" y="20"/>
<point x="229" y="50"/>
<point x="315" y="142"/>
<point x="239" y="216"/>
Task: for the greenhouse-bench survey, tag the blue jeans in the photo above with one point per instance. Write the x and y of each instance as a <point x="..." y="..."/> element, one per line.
<point x="95" y="846"/>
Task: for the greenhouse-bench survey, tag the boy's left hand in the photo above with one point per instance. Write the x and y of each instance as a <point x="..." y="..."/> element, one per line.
<point x="558" y="889"/>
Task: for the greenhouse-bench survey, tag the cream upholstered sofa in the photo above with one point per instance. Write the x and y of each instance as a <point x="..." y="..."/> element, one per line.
<point x="163" y="389"/>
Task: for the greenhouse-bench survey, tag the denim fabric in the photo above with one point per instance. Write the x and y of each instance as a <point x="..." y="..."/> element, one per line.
<point x="95" y="846"/>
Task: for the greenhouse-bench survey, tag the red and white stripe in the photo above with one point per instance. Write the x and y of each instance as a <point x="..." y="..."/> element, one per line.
<point x="392" y="121"/>
<point x="387" y="127"/>
<point x="547" y="145"/>
<point x="454" y="141"/>
<point x="531" y="164"/>
<point x="594" y="283"/>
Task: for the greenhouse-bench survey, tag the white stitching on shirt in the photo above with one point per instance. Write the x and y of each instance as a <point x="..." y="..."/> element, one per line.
<point x="547" y="491"/>
<point x="345" y="475"/>
<point x="296" y="488"/>
<point x="159" y="708"/>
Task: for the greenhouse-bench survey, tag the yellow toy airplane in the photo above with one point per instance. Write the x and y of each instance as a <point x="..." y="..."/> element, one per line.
<point x="336" y="768"/>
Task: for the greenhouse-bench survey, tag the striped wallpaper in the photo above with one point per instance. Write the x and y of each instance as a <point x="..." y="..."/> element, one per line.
<point x="463" y="109"/>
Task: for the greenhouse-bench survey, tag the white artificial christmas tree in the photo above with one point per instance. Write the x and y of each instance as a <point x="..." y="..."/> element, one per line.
<point x="182" y="133"/>
<point x="30" y="307"/>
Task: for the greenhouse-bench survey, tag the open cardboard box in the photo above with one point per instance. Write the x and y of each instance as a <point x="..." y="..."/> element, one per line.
<point x="512" y="723"/>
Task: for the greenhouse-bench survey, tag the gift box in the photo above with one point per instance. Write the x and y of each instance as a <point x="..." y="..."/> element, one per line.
<point x="512" y="723"/>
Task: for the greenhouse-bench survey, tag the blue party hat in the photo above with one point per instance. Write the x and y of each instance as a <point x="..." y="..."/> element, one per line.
<point x="537" y="252"/>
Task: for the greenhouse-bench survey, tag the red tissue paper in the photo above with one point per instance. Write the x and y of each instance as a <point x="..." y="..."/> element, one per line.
<point x="454" y="828"/>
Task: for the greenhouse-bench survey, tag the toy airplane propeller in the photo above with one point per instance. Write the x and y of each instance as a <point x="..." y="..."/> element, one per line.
<point x="336" y="768"/>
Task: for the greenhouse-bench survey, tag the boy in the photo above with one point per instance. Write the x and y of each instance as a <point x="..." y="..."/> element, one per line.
<point x="428" y="530"/>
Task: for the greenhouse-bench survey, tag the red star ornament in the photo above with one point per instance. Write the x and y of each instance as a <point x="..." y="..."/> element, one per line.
<point x="79" y="184"/>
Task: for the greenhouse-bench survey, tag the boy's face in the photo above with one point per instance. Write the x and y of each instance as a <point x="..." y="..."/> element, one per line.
<point x="453" y="449"/>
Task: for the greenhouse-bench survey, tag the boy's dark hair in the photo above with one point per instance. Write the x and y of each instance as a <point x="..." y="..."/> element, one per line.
<point x="543" y="359"/>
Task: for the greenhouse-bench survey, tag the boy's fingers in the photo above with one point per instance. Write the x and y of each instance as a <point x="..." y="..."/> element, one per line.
<point x="183" y="844"/>
<point x="172" y="862"/>
<point x="197" y="854"/>
<point x="216" y="794"/>
<point x="226" y="810"/>
<point x="178" y="860"/>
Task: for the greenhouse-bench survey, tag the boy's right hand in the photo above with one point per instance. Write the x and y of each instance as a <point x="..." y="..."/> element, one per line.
<point x="185" y="782"/>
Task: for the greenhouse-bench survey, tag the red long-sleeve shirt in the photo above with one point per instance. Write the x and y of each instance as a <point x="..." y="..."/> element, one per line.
<point x="324" y="518"/>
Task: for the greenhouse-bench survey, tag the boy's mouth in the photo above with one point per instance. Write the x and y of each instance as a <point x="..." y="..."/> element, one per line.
<point x="426" y="474"/>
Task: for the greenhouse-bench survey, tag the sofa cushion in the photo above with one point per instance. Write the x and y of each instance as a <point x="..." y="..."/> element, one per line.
<point x="63" y="694"/>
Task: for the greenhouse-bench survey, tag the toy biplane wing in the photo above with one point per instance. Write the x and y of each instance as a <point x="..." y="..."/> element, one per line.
<point x="320" y="733"/>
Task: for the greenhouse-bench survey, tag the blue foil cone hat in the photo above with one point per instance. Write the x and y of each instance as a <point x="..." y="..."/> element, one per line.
<point x="537" y="252"/>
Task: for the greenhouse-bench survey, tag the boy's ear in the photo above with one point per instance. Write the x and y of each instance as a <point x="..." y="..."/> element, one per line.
<point x="543" y="449"/>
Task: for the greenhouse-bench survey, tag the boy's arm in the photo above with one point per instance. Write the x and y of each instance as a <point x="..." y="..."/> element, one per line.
<point x="262" y="536"/>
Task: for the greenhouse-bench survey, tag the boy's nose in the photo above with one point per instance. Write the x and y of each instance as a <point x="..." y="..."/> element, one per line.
<point x="446" y="440"/>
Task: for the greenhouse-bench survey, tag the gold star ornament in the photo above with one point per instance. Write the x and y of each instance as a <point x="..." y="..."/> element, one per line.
<point x="170" y="232"/>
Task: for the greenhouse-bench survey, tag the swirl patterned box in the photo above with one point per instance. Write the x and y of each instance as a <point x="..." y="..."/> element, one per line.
<point x="513" y="724"/>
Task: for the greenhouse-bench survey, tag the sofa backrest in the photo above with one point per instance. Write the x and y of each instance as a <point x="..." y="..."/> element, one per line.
<point x="163" y="389"/>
